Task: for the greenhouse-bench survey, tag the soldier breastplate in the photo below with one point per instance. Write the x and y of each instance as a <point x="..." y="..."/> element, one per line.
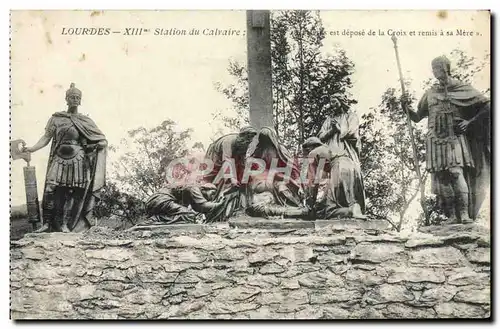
<point x="70" y="145"/>
<point x="441" y="122"/>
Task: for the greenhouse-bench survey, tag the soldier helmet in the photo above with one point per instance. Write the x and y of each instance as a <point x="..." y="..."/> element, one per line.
<point x="73" y="90"/>
<point x="442" y="61"/>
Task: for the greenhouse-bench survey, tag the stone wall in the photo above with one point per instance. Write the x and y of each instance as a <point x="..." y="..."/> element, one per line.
<point x="290" y="270"/>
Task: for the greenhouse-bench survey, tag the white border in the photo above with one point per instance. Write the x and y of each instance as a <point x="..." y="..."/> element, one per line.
<point x="185" y="4"/>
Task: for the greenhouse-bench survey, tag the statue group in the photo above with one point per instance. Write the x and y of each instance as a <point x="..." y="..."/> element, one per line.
<point x="265" y="180"/>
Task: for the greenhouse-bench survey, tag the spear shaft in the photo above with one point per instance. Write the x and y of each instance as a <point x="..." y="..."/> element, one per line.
<point x="410" y="130"/>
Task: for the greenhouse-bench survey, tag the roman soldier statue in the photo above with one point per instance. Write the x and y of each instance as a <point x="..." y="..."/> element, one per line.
<point x="75" y="170"/>
<point x="458" y="143"/>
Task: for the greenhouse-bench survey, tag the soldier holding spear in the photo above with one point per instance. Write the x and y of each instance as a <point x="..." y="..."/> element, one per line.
<point x="457" y="144"/>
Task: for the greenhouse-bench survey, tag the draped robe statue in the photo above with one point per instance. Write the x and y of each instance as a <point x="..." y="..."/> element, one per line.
<point x="336" y="175"/>
<point x="340" y="135"/>
<point x="229" y="152"/>
<point x="230" y="147"/>
<point x="279" y="196"/>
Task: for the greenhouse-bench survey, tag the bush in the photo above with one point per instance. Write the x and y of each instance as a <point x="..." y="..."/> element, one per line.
<point x="18" y="212"/>
<point x="436" y="214"/>
<point x="117" y="204"/>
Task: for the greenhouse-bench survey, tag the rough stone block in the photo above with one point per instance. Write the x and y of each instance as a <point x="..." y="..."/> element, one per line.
<point x="463" y="276"/>
<point x="333" y="312"/>
<point x="459" y="310"/>
<point x="331" y="259"/>
<point x="428" y="241"/>
<point x="225" y="307"/>
<point x="389" y="293"/>
<point x="110" y="254"/>
<point x="484" y="241"/>
<point x="291" y="284"/>
<point x="480" y="256"/>
<point x="436" y="295"/>
<point x="312" y="280"/>
<point x="350" y="224"/>
<point x="335" y="295"/>
<point x="91" y="244"/>
<point x="402" y="311"/>
<point x="363" y="278"/>
<point x="269" y="224"/>
<point x="298" y="253"/>
<point x="309" y="314"/>
<point x="376" y="253"/>
<point x="206" y="244"/>
<point x="261" y="257"/>
<point x="379" y="238"/>
<point x="268" y="313"/>
<point x="262" y="281"/>
<point x="368" y="313"/>
<point x="187" y="256"/>
<point x="415" y="274"/>
<point x="446" y="256"/>
<point x="239" y="294"/>
<point x="474" y="296"/>
<point x="271" y="268"/>
<point x="33" y="253"/>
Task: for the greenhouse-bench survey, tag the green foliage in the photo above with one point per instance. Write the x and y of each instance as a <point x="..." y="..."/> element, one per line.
<point x="18" y="214"/>
<point x="237" y="92"/>
<point x="141" y="170"/>
<point x="115" y="203"/>
<point x="466" y="68"/>
<point x="436" y="214"/>
<point x="387" y="160"/>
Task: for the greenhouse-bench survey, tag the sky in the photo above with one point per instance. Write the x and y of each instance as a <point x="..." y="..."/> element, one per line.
<point x="132" y="81"/>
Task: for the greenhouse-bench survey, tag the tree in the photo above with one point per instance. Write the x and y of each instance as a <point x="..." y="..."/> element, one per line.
<point x="141" y="170"/>
<point x="467" y="68"/>
<point x="302" y="79"/>
<point x="116" y="203"/>
<point x="237" y="92"/>
<point x="387" y="161"/>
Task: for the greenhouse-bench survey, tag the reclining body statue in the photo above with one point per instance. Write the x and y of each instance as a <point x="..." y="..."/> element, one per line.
<point x="184" y="204"/>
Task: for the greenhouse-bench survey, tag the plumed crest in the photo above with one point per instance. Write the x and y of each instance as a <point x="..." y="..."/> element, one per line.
<point x="73" y="90"/>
